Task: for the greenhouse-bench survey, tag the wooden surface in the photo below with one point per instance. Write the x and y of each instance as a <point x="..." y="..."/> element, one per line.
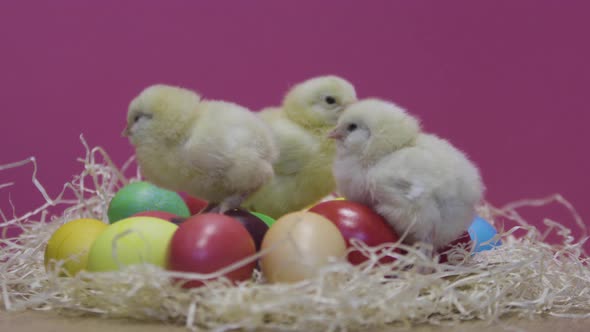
<point x="30" y="321"/>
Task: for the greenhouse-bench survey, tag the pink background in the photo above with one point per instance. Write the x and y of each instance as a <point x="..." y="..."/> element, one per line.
<point x="507" y="81"/>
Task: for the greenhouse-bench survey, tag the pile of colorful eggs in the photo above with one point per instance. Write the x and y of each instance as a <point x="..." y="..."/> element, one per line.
<point x="156" y="226"/>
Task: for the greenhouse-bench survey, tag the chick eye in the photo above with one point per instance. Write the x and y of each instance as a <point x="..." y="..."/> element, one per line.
<point x="330" y="100"/>
<point x="352" y="127"/>
<point x="142" y="115"/>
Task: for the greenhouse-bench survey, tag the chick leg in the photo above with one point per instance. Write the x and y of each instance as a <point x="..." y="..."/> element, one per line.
<point x="427" y="250"/>
<point x="210" y="208"/>
<point x="232" y="202"/>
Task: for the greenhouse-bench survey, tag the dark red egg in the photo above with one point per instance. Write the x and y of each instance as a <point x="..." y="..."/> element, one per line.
<point x="255" y="226"/>
<point x="445" y="253"/>
<point x="162" y="215"/>
<point x="208" y="242"/>
<point x="357" y="221"/>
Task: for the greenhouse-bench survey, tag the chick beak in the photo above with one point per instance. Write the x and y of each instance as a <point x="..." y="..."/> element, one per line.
<point x="335" y="134"/>
<point x="125" y="132"/>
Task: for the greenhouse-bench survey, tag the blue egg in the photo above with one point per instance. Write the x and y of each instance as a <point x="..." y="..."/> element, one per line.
<point x="481" y="232"/>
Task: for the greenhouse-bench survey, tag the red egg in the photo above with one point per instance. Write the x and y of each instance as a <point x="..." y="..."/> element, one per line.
<point x="357" y="221"/>
<point x="195" y="205"/>
<point x="162" y="215"/>
<point x="208" y="242"/>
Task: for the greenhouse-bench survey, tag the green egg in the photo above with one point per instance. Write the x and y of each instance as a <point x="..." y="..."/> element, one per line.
<point x="267" y="220"/>
<point x="143" y="196"/>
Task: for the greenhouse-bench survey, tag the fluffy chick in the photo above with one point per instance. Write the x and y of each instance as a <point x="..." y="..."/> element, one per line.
<point x="303" y="172"/>
<point x="215" y="150"/>
<point x="418" y="182"/>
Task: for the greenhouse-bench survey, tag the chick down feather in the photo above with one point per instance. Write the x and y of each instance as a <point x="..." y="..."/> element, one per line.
<point x="303" y="171"/>
<point x="418" y="182"/>
<point x="215" y="150"/>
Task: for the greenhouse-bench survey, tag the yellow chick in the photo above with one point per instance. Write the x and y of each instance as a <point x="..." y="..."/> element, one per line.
<point x="420" y="183"/>
<point x="215" y="150"/>
<point x="303" y="172"/>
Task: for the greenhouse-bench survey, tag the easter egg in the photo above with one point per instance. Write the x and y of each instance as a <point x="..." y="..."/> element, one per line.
<point x="448" y="254"/>
<point x="195" y="205"/>
<point x="357" y="221"/>
<point x="481" y="233"/>
<point x="300" y="244"/>
<point x="130" y="241"/>
<point x="267" y="220"/>
<point x="476" y="239"/>
<point x="144" y="196"/>
<point x="208" y="242"/>
<point x="71" y="242"/>
<point x="255" y="226"/>
<point x="162" y="215"/>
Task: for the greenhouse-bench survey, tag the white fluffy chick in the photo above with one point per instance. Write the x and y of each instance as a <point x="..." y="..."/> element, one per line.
<point x="303" y="172"/>
<point x="215" y="150"/>
<point x="418" y="182"/>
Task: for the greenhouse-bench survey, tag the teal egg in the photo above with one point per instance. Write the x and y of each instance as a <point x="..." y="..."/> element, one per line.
<point x="143" y="196"/>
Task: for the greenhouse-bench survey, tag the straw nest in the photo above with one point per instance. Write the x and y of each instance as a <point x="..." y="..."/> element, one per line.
<point x="525" y="276"/>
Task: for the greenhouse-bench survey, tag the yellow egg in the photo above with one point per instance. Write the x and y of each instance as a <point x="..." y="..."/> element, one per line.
<point x="71" y="242"/>
<point x="130" y="241"/>
<point x="302" y="243"/>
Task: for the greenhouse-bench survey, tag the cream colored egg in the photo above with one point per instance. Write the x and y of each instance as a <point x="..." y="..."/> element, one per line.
<point x="301" y="243"/>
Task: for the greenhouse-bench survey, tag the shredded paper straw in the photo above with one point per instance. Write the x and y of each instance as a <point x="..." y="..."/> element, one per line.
<point x="525" y="276"/>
